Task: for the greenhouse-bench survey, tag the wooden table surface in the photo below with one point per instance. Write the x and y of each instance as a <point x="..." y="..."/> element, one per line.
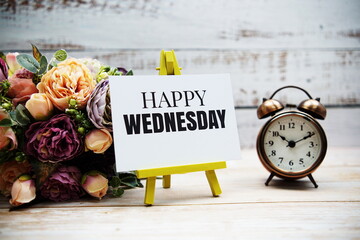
<point x="247" y="209"/>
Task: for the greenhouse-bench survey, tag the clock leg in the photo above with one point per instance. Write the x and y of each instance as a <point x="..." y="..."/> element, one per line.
<point x="269" y="179"/>
<point x="312" y="180"/>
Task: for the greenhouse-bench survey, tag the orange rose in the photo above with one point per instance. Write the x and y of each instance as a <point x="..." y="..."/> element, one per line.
<point x="71" y="79"/>
<point x="40" y="106"/>
<point x="98" y="140"/>
<point x="9" y="171"/>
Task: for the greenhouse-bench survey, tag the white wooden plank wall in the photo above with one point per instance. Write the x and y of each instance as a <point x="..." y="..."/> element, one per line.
<point x="264" y="45"/>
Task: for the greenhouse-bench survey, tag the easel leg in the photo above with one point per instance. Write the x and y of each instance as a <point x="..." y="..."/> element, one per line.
<point x="269" y="179"/>
<point x="166" y="181"/>
<point x="150" y="191"/>
<point x="312" y="180"/>
<point x="213" y="182"/>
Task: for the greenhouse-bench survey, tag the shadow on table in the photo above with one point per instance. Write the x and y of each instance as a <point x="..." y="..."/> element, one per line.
<point x="303" y="184"/>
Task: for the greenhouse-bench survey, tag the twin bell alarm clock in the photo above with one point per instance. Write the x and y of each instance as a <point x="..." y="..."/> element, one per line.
<point x="291" y="144"/>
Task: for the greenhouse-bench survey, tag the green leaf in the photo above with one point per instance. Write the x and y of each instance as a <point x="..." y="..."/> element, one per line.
<point x="60" y="55"/>
<point x="129" y="73"/>
<point x="6" y="123"/>
<point x="21" y="116"/>
<point x="51" y="65"/>
<point x="115" y="182"/>
<point x="118" y="192"/>
<point x="28" y="62"/>
<point x="43" y="65"/>
<point x="129" y="180"/>
<point x="36" y="53"/>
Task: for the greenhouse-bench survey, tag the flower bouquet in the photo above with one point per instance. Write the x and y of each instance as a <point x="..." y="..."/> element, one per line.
<point x="56" y="129"/>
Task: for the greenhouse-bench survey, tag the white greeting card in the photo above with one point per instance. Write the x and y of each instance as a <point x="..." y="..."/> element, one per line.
<point x="164" y="121"/>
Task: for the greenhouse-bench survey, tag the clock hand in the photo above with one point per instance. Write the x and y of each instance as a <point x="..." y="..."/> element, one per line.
<point x="283" y="138"/>
<point x="307" y="136"/>
<point x="291" y="143"/>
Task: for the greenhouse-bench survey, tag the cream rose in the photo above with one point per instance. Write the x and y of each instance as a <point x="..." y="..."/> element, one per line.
<point x="40" y="106"/>
<point x="22" y="191"/>
<point x="95" y="184"/>
<point x="98" y="140"/>
<point x="12" y="63"/>
<point x="71" y="79"/>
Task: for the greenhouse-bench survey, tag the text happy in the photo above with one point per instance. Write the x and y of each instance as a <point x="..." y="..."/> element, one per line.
<point x="146" y="123"/>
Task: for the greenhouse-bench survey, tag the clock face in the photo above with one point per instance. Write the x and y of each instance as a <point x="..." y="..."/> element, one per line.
<point x="292" y="143"/>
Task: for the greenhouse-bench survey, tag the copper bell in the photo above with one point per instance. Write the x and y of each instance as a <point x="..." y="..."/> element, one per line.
<point x="313" y="107"/>
<point x="269" y="107"/>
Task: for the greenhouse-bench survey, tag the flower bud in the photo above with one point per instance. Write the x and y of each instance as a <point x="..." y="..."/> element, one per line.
<point x="102" y="76"/>
<point x="40" y="106"/>
<point x="20" y="157"/>
<point x="78" y="117"/>
<point x="95" y="184"/>
<point x="71" y="111"/>
<point x="81" y="130"/>
<point x="98" y="140"/>
<point x="12" y="63"/>
<point x="23" y="191"/>
<point x="72" y="102"/>
<point x="6" y="106"/>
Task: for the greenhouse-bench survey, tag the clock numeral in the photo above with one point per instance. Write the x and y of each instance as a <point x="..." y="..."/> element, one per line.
<point x="291" y="163"/>
<point x="308" y="154"/>
<point x="273" y="153"/>
<point x="271" y="142"/>
<point x="311" y="144"/>
<point x="275" y="133"/>
<point x="282" y="127"/>
<point x="281" y="159"/>
<point x="302" y="127"/>
<point x="301" y="161"/>
<point x="291" y="125"/>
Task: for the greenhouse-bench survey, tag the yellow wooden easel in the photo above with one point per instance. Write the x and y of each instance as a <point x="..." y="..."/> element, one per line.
<point x="170" y="66"/>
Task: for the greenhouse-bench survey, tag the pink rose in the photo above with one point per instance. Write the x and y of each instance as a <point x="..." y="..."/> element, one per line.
<point x="21" y="86"/>
<point x="9" y="171"/>
<point x="12" y="63"/>
<point x="95" y="184"/>
<point x="98" y="140"/>
<point x="23" y="191"/>
<point x="40" y="106"/>
<point x="7" y="135"/>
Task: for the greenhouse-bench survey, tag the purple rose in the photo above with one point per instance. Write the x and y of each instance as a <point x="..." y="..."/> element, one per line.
<point x="63" y="185"/>
<point x="3" y="70"/>
<point x="99" y="106"/>
<point x="55" y="140"/>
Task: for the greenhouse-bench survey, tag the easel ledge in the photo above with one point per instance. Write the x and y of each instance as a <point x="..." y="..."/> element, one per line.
<point x="180" y="169"/>
<point x="170" y="66"/>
